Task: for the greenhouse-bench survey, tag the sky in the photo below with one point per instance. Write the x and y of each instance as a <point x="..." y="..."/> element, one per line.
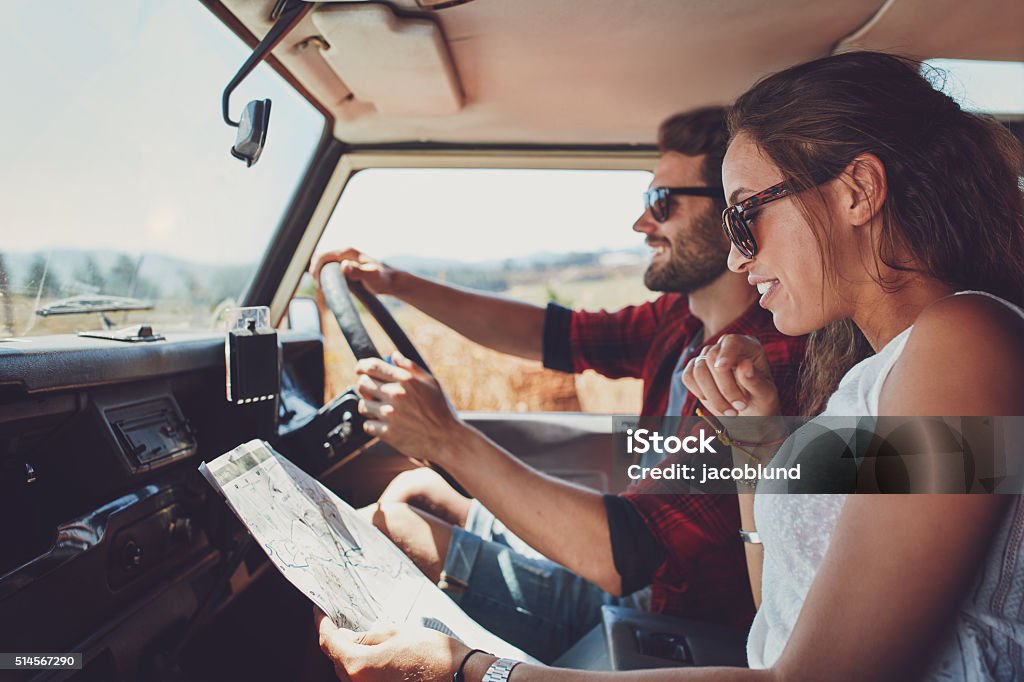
<point x="113" y="139"/>
<point x="474" y="215"/>
<point x="120" y="145"/>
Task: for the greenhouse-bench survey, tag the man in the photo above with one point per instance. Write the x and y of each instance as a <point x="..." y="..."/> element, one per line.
<point x="686" y="547"/>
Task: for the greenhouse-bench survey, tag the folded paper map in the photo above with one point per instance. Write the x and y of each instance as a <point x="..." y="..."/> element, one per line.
<point x="340" y="561"/>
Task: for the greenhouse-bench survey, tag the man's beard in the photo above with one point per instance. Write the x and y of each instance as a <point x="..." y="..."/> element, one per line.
<point x="694" y="260"/>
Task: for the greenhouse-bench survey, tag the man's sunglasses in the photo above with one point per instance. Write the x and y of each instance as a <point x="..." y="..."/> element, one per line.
<point x="735" y="218"/>
<point x="659" y="199"/>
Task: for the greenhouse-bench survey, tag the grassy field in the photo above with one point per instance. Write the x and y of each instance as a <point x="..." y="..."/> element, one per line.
<point x="18" y="318"/>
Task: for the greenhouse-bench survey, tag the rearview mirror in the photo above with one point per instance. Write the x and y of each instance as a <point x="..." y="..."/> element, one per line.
<point x="252" y="128"/>
<point x="252" y="131"/>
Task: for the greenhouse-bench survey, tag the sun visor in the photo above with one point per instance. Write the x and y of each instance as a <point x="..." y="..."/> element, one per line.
<point x="981" y="29"/>
<point x="400" y="65"/>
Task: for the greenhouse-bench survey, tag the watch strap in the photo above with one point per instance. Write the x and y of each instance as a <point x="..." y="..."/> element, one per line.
<point x="500" y="670"/>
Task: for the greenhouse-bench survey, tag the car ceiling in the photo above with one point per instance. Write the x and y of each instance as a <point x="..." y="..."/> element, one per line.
<point x="590" y="72"/>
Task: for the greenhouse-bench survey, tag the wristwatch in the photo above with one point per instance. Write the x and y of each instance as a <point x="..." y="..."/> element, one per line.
<point x="500" y="670"/>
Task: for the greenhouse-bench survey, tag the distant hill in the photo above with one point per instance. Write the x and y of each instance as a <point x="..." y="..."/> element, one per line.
<point x="158" y="275"/>
<point x="538" y="260"/>
<point x="502" y="274"/>
<point x="419" y="264"/>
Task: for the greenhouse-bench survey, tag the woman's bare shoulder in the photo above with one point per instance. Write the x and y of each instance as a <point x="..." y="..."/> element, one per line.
<point x="964" y="357"/>
<point x="968" y="319"/>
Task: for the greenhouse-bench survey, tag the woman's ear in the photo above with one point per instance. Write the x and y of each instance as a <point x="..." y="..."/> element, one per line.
<point x="863" y="188"/>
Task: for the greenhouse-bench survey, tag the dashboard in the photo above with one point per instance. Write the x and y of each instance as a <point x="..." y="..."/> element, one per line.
<point x="114" y="545"/>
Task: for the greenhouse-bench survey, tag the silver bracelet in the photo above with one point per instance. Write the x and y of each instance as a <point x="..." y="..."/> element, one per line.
<point x="500" y="670"/>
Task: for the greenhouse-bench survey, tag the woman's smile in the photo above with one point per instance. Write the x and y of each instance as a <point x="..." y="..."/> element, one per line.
<point x="765" y="287"/>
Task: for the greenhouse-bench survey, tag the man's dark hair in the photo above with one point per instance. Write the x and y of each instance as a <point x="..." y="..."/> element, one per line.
<point x="700" y="132"/>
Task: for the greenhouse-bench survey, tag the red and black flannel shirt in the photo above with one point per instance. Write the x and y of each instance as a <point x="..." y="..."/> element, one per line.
<point x="704" y="573"/>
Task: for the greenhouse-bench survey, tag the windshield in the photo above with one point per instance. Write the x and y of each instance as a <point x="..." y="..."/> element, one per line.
<point x="121" y="202"/>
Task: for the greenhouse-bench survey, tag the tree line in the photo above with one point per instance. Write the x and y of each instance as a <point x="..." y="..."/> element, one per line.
<point x="124" y="277"/>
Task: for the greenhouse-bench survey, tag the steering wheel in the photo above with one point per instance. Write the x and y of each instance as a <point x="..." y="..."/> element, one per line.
<point x="336" y="294"/>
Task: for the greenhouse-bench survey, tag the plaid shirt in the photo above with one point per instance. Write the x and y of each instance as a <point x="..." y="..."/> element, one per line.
<point x="704" y="573"/>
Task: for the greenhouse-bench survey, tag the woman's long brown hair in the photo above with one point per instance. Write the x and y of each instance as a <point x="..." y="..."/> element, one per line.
<point x="954" y="199"/>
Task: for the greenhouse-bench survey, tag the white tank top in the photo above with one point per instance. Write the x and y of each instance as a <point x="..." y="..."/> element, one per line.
<point x="988" y="642"/>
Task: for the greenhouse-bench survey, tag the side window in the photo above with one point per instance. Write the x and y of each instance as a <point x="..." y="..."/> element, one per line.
<point x="533" y="235"/>
<point x="994" y="88"/>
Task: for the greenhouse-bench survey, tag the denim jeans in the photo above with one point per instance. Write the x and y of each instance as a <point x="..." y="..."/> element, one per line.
<point x="518" y="594"/>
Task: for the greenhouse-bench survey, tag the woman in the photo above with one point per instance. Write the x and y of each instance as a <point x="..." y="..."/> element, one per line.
<point x="862" y="202"/>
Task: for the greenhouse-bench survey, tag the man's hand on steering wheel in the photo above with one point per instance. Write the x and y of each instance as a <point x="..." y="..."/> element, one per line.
<point x="378" y="277"/>
<point x="418" y="417"/>
<point x="406" y="407"/>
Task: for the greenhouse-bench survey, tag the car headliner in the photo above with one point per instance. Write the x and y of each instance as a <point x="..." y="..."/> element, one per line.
<point x="594" y="72"/>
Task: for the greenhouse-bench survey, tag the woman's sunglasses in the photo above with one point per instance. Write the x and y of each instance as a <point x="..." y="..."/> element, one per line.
<point x="735" y="218"/>
<point x="659" y="199"/>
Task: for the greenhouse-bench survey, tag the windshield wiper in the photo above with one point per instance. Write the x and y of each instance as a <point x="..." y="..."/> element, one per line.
<point x="93" y="303"/>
